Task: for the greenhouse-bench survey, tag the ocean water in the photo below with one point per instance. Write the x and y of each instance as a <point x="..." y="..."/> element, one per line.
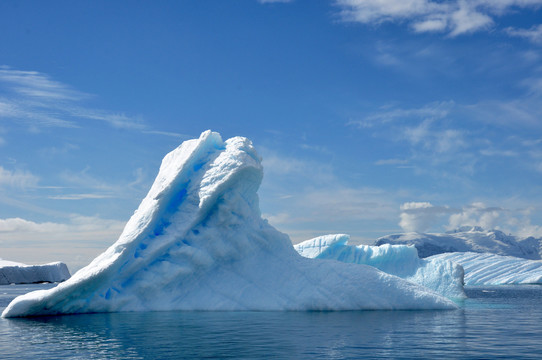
<point x="495" y="322"/>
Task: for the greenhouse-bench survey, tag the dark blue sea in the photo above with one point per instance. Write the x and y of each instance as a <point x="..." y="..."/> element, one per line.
<point x="494" y="322"/>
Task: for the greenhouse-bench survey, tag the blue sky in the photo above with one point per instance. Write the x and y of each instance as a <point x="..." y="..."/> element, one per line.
<point x="372" y="117"/>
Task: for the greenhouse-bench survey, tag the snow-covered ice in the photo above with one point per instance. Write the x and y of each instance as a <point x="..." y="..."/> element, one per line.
<point x="18" y="273"/>
<point x="441" y="276"/>
<point x="491" y="269"/>
<point x="198" y="242"/>
<point x="468" y="239"/>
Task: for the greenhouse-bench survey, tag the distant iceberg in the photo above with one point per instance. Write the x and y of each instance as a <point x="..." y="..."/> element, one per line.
<point x="198" y="242"/>
<point x="442" y="276"/>
<point x="17" y="273"/>
<point x="491" y="269"/>
<point x="468" y="239"/>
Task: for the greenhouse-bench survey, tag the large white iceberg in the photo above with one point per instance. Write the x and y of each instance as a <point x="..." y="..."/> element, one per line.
<point x="198" y="242"/>
<point x="491" y="269"/>
<point x="17" y="273"/>
<point x="468" y="239"/>
<point x="442" y="276"/>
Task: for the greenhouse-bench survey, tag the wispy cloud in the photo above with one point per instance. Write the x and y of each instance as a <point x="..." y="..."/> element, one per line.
<point x="17" y="179"/>
<point x="387" y="114"/>
<point x="168" y="133"/>
<point x="460" y="136"/>
<point x="455" y="17"/>
<point x="395" y="162"/>
<point x="36" y="85"/>
<point x="80" y="196"/>
<point x="423" y="128"/>
<point x="533" y="34"/>
<point x="36" y="100"/>
<point x="306" y="198"/>
<point x="274" y="1"/>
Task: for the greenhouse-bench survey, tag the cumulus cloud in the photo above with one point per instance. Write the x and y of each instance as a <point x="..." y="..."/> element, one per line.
<point x="477" y="214"/>
<point x="420" y="216"/>
<point x="454" y="17"/>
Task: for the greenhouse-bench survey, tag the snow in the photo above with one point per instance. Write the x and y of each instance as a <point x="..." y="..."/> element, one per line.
<point x="198" y="242"/>
<point x="17" y="273"/>
<point x="441" y="276"/>
<point x="468" y="239"/>
<point x="491" y="269"/>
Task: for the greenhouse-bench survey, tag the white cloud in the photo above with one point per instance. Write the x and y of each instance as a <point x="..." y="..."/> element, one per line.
<point x="168" y="133"/>
<point x="306" y="198"/>
<point x="17" y="179"/>
<point x="75" y="242"/>
<point x="80" y="196"/>
<point x="77" y="224"/>
<point x="35" y="99"/>
<point x="33" y="84"/>
<point x="431" y="111"/>
<point x="477" y="214"/>
<point x="426" y="132"/>
<point x="420" y="216"/>
<point x="533" y="34"/>
<point x="467" y="19"/>
<point x="454" y="17"/>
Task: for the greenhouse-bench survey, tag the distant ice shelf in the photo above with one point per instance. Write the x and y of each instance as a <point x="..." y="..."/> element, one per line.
<point x="491" y="269"/>
<point x="442" y="276"/>
<point x="17" y="273"/>
<point x="198" y="242"/>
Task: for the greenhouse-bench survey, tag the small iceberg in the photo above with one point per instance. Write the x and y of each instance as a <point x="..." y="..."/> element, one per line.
<point x="198" y="242"/>
<point x="18" y="273"/>
<point x="491" y="269"/>
<point x="440" y="275"/>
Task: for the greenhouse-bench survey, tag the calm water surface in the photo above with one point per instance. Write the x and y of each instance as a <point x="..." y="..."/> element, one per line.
<point x="495" y="322"/>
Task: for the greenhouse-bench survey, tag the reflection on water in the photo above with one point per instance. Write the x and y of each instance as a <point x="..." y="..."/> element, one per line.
<point x="487" y="327"/>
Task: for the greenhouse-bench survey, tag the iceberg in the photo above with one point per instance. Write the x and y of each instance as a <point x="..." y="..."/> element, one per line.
<point x="468" y="239"/>
<point x="440" y="275"/>
<point x="198" y="242"/>
<point x="18" y="273"/>
<point x="491" y="269"/>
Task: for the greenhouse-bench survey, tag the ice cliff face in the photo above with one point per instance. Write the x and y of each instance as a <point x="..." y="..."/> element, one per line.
<point x="441" y="276"/>
<point x="491" y="269"/>
<point x="198" y="242"/>
<point x="17" y="273"/>
<point x="468" y="239"/>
